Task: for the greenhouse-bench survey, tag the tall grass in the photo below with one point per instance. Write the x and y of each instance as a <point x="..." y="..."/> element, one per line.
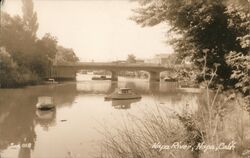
<point x="222" y="121"/>
<point x="221" y="118"/>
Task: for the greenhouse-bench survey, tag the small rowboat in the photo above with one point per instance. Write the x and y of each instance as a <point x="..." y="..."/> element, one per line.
<point x="45" y="103"/>
<point x="124" y="104"/>
<point x="123" y="94"/>
<point x="50" y="81"/>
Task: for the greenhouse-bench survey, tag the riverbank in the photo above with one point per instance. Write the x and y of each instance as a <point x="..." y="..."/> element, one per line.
<point x="219" y="128"/>
<point x="19" y="82"/>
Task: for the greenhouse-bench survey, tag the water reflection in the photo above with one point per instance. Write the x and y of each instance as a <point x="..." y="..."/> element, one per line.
<point x="20" y="121"/>
<point x="17" y="113"/>
<point x="124" y="104"/>
<point x="46" y="118"/>
<point x="19" y="116"/>
<point x="96" y="87"/>
<point x="143" y="87"/>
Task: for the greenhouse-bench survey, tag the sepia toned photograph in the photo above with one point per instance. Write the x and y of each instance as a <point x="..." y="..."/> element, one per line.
<point x="124" y="79"/>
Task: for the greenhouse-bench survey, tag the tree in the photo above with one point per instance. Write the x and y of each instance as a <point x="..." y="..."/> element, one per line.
<point x="131" y="58"/>
<point x="33" y="55"/>
<point x="44" y="55"/>
<point x="30" y="17"/>
<point x="26" y="59"/>
<point x="8" y="69"/>
<point x="65" y="56"/>
<point x="15" y="39"/>
<point x="172" y="59"/>
<point x="47" y="46"/>
<point x="207" y="31"/>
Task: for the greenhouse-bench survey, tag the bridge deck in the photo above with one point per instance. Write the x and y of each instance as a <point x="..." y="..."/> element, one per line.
<point x="124" y="65"/>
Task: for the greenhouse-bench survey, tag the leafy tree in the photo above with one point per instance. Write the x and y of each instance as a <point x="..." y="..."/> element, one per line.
<point x="172" y="59"/>
<point x="30" y="17"/>
<point x="131" y="58"/>
<point x="8" y="69"/>
<point x="239" y="64"/>
<point x="41" y="60"/>
<point x="14" y="36"/>
<point x="239" y="60"/>
<point x="65" y="56"/>
<point x="47" y="47"/>
<point x="207" y="31"/>
<point x="33" y="55"/>
<point x="12" y="75"/>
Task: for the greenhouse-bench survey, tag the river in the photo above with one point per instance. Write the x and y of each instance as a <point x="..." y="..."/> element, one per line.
<point x="73" y="128"/>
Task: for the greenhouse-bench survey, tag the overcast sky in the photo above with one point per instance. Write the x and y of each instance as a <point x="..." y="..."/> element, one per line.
<point x="98" y="30"/>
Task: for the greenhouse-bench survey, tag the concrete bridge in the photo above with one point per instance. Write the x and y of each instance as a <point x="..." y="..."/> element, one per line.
<point x="68" y="71"/>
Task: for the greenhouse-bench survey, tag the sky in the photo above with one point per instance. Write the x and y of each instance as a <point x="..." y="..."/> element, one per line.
<point x="98" y="30"/>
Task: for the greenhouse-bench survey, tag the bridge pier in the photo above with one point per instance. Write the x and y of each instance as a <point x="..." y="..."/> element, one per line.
<point x="114" y="76"/>
<point x="154" y="76"/>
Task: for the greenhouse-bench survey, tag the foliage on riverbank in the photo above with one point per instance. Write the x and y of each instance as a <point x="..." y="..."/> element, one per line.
<point x="215" y="29"/>
<point x="164" y="132"/>
<point x="24" y="58"/>
<point x="11" y="75"/>
<point x="215" y="34"/>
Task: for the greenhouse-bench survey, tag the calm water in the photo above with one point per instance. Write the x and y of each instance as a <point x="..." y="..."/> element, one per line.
<point x="80" y="114"/>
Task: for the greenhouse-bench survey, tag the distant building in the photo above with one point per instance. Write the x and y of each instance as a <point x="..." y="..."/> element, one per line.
<point x="119" y="61"/>
<point x="159" y="59"/>
<point x="168" y="59"/>
<point x="139" y="61"/>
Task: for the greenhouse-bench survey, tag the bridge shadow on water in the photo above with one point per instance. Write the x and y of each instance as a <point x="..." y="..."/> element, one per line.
<point x="143" y="87"/>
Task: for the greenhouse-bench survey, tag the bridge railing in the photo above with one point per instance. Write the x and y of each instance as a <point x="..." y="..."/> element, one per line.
<point x="123" y="64"/>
